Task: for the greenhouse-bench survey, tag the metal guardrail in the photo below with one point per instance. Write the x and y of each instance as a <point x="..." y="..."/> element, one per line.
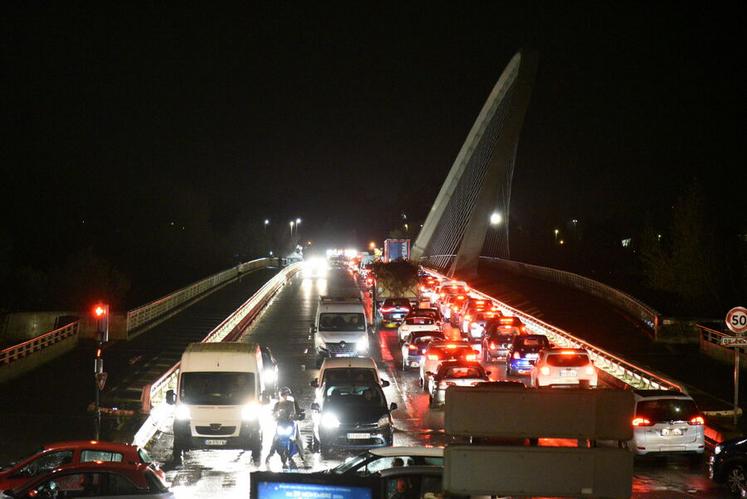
<point x="633" y="306"/>
<point x="157" y="308"/>
<point x="711" y="335"/>
<point x="38" y="343"/>
<point x="613" y="365"/>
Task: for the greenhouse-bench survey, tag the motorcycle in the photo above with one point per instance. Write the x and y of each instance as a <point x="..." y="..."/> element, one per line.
<point x="285" y="440"/>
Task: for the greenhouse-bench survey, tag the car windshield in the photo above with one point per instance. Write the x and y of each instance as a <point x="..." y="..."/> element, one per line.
<point x="667" y="410"/>
<point x="354" y="394"/>
<point x="353" y="462"/>
<point x="342" y="322"/>
<point x="217" y="388"/>
<point x="462" y="372"/>
<point x="567" y="360"/>
<point x="342" y="375"/>
<point x="501" y="338"/>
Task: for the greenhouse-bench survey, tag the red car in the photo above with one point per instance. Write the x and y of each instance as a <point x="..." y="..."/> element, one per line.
<point x="52" y="456"/>
<point x="96" y="479"/>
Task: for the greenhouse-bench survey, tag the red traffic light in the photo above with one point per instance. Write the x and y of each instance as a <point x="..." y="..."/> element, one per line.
<point x="100" y="310"/>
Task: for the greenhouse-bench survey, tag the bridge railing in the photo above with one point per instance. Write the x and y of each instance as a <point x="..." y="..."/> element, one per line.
<point x="613" y="365"/>
<point x="161" y="306"/>
<point x="633" y="306"/>
<point x="38" y="343"/>
<point x="229" y="329"/>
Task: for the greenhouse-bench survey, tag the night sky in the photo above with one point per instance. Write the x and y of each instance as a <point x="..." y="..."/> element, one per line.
<point x="128" y="116"/>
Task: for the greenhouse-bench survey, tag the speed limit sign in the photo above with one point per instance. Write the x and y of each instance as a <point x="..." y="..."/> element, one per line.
<point x="736" y="320"/>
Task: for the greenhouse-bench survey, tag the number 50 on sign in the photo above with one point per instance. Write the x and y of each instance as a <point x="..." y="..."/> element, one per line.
<point x="736" y="320"/>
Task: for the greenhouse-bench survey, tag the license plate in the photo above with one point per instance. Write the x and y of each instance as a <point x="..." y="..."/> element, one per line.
<point x="216" y="442"/>
<point x="567" y="372"/>
<point x="671" y="431"/>
<point x="359" y="436"/>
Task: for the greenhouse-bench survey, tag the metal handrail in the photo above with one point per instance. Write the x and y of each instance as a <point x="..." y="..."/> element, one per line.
<point x="615" y="366"/>
<point x="38" y="343"/>
<point x="224" y="330"/>
<point x="160" y="306"/>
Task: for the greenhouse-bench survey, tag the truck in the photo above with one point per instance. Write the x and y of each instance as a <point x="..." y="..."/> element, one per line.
<point x="396" y="249"/>
<point x="219" y="392"/>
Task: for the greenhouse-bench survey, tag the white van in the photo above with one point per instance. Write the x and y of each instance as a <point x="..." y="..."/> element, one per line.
<point x="218" y="398"/>
<point x="340" y="328"/>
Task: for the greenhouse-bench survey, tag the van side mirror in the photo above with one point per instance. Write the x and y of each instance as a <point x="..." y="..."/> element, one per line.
<point x="314" y="383"/>
<point x="393" y="406"/>
<point x="315" y="407"/>
<point x="170" y="397"/>
<point x="385" y="383"/>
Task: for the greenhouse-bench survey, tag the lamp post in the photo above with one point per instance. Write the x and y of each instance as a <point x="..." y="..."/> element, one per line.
<point x="267" y="222"/>
<point x="292" y="223"/>
<point x="496" y="218"/>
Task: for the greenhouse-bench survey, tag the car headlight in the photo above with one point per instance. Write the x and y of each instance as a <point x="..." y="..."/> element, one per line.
<point x="717" y="449"/>
<point x="362" y="344"/>
<point x="182" y="413"/>
<point x="249" y="412"/>
<point x="269" y="375"/>
<point x="330" y="421"/>
<point x="285" y="430"/>
<point x="384" y="421"/>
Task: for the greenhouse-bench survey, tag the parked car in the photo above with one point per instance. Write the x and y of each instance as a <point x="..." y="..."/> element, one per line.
<point x="667" y="422"/>
<point x="728" y="465"/>
<point x="415" y="345"/>
<point x="455" y="374"/>
<point x="57" y="454"/>
<point x="524" y="352"/>
<point x="95" y="479"/>
<point x="564" y="366"/>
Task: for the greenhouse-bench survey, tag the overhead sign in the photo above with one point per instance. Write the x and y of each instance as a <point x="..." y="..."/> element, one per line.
<point x="736" y="320"/>
<point x="540" y="412"/>
<point x="538" y="471"/>
<point x="734" y="341"/>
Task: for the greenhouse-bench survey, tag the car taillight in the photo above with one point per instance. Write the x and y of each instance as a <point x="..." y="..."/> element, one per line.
<point x="641" y="422"/>
<point x="445" y="384"/>
<point x="589" y="370"/>
<point x="545" y="371"/>
<point x="387" y="309"/>
<point x="470" y="356"/>
<point x="493" y="345"/>
<point x="412" y="348"/>
<point x="432" y="356"/>
<point x="697" y="420"/>
<point x="517" y="355"/>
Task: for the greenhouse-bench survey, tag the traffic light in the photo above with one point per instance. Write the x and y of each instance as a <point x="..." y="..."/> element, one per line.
<point x="101" y="314"/>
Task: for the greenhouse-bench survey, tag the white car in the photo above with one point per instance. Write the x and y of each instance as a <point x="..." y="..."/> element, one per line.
<point x="416" y="323"/>
<point x="455" y="374"/>
<point x="666" y="421"/>
<point x="563" y="366"/>
<point x="436" y="353"/>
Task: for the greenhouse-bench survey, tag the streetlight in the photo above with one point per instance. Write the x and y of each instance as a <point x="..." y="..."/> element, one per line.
<point x="267" y="222"/>
<point x="556" y="231"/>
<point x="291" y="226"/>
<point x="496" y="218"/>
<point x="372" y="245"/>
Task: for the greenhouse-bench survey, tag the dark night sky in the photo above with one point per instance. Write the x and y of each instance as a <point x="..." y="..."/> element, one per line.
<point x="126" y="115"/>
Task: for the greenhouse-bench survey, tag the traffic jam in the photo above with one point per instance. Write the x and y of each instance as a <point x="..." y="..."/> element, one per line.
<point x="369" y="405"/>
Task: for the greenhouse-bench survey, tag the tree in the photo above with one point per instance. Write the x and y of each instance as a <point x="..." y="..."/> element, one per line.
<point x="400" y="276"/>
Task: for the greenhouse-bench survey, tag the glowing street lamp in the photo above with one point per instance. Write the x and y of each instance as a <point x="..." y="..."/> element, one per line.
<point x="556" y="232"/>
<point x="291" y="226"/>
<point x="267" y="222"/>
<point x="496" y="218"/>
<point x="372" y="245"/>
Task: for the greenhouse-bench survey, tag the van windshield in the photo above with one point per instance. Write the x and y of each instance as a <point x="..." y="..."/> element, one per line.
<point x="217" y="388"/>
<point x="342" y="322"/>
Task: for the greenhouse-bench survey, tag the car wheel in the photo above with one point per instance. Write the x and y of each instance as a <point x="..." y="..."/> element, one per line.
<point x="735" y="478"/>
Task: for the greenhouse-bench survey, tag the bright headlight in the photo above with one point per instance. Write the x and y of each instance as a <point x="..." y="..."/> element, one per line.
<point x="249" y="412"/>
<point x="384" y="420"/>
<point x="285" y="430"/>
<point x="362" y="344"/>
<point x="182" y="413"/>
<point x="717" y="449"/>
<point x="269" y="375"/>
<point x="330" y="421"/>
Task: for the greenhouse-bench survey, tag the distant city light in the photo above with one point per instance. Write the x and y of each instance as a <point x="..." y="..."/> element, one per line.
<point x="372" y="245"/>
<point x="496" y="218"/>
<point x="561" y="242"/>
<point x="267" y="221"/>
<point x="626" y="242"/>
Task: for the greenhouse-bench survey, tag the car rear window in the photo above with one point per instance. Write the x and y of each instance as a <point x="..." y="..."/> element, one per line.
<point x="419" y="321"/>
<point x="463" y="372"/>
<point x="502" y="338"/>
<point x="397" y="302"/>
<point x="661" y="410"/>
<point x="88" y="455"/>
<point x="567" y="360"/>
<point x="531" y="341"/>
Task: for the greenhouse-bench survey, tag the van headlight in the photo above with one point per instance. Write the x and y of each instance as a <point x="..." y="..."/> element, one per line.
<point x="269" y="375"/>
<point x="181" y="413"/>
<point x="285" y="430"/>
<point x="249" y="412"/>
<point x="330" y="421"/>
<point x="384" y="421"/>
<point x="362" y="344"/>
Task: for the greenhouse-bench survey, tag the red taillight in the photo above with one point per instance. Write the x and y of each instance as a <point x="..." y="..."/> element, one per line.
<point x="507" y="320"/>
<point x="493" y="345"/>
<point x="412" y="348"/>
<point x="470" y="356"/>
<point x="641" y="422"/>
<point x="460" y="297"/>
<point x="517" y="355"/>
<point x="387" y="309"/>
<point x="545" y="371"/>
<point x="697" y="420"/>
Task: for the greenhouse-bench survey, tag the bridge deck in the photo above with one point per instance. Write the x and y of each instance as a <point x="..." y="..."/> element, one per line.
<point x="50" y="403"/>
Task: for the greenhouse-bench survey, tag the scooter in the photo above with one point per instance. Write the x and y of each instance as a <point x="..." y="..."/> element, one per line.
<point x="285" y="440"/>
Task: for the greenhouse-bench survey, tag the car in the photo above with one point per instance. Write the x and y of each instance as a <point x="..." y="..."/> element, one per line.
<point x="340" y="328"/>
<point x="441" y="352"/>
<point x="394" y="310"/>
<point x="350" y="368"/>
<point x="564" y="366"/>
<point x="474" y="324"/>
<point x="524" y="352"/>
<point x="453" y="288"/>
<point x="454" y="374"/>
<point x="95" y="479"/>
<point x="495" y="346"/>
<point x="666" y="422"/>
<point x="427" y="310"/>
<point x="505" y="325"/>
<point x="469" y="309"/>
<point x="415" y="345"/>
<point x="427" y="286"/>
<point x="416" y="323"/>
<point x="449" y="305"/>
<point x="376" y="460"/>
<point x="728" y="465"/>
<point x="351" y="415"/>
<point x="73" y="452"/>
<point x="412" y="482"/>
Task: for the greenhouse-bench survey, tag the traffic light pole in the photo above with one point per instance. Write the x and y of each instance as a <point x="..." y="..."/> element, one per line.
<point x="101" y="313"/>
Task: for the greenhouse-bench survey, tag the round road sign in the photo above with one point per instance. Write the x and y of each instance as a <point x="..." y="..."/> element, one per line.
<point x="736" y="320"/>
